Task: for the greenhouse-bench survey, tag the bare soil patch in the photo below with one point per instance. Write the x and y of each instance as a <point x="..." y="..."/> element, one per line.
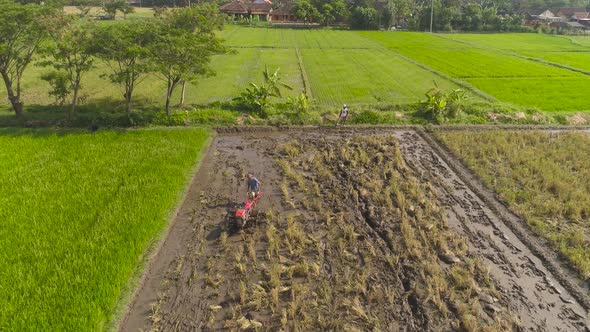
<point x="358" y="230"/>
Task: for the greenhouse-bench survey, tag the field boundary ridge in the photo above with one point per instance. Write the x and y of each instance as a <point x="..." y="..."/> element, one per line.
<point x="363" y="128"/>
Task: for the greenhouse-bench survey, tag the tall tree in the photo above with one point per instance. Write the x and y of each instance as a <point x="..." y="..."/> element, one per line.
<point x="124" y="48"/>
<point x="112" y="7"/>
<point x="203" y="18"/>
<point x="70" y="53"/>
<point x="399" y="11"/>
<point x="21" y="33"/>
<point x="179" y="56"/>
<point x="305" y="11"/>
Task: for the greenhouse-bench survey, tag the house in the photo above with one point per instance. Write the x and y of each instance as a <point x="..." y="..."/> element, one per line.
<point x="546" y="15"/>
<point x="284" y="13"/>
<point x="257" y="9"/>
<point x="581" y="17"/>
<point x="570" y="18"/>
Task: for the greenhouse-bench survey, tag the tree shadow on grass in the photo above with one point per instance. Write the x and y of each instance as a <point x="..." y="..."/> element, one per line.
<point x="95" y="114"/>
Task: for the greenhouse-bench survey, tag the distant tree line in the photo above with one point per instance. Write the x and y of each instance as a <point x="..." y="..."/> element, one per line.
<point x="462" y="15"/>
<point x="176" y="47"/>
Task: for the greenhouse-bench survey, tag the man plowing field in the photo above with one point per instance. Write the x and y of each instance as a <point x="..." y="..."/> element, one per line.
<point x="243" y="213"/>
<point x="253" y="186"/>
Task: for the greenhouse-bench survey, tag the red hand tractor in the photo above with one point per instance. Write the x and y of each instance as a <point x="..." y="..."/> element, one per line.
<point x="243" y="212"/>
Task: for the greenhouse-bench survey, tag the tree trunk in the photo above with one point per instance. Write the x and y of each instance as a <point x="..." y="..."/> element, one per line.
<point x="14" y="99"/>
<point x="168" y="95"/>
<point x="74" y="100"/>
<point x="128" y="94"/>
<point x="129" y="105"/>
<point x="181" y="104"/>
<point x="172" y="84"/>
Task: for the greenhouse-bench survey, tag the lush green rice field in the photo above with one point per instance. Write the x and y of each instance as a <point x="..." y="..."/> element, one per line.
<point x="372" y="67"/>
<point x="582" y="40"/>
<point x="519" y="41"/>
<point x="78" y="211"/>
<point x="577" y="59"/>
<point x="507" y="77"/>
<point x="341" y="66"/>
<point x="369" y="76"/>
<point x="572" y="52"/>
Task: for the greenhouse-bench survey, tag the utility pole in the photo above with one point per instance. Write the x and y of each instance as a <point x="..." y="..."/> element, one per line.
<point x="431" y="14"/>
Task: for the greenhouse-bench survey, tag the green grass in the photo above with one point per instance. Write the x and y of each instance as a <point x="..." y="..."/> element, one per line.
<point x="460" y="60"/>
<point x="577" y="60"/>
<point x="507" y="77"/>
<point x="519" y="41"/>
<point x="581" y="40"/>
<point x="545" y="177"/>
<point x="78" y="211"/>
<point x="367" y="76"/>
<point x="548" y="94"/>
<point x="295" y="38"/>
<point x="562" y="50"/>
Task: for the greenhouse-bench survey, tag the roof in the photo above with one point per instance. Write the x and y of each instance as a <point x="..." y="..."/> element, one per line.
<point x="260" y="8"/>
<point x="241" y="7"/>
<point x="566" y="11"/>
<point x="547" y="14"/>
<point x="575" y="25"/>
<point x="580" y="15"/>
<point x="236" y="6"/>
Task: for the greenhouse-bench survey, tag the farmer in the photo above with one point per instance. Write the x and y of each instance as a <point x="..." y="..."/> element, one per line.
<point x="343" y="115"/>
<point x="253" y="186"/>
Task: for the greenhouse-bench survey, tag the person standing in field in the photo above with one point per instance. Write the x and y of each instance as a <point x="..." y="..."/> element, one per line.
<point x="343" y="115"/>
<point x="253" y="186"/>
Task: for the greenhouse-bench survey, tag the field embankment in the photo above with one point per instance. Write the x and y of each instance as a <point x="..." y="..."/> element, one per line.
<point x="78" y="212"/>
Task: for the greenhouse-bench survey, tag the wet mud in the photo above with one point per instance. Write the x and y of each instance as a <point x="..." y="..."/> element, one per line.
<point x="194" y="282"/>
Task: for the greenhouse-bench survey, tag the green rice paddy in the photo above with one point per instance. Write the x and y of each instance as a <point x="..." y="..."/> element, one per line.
<point x="78" y="212"/>
<point x="531" y="70"/>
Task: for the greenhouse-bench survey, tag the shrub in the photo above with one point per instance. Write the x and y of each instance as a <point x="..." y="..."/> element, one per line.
<point x="364" y="19"/>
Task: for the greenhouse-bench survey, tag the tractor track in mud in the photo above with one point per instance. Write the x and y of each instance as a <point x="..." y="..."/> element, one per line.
<point x="175" y="296"/>
<point x="509" y="251"/>
<point x="556" y="264"/>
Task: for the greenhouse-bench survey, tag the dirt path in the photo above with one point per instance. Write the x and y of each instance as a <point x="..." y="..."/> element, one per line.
<point x="190" y="284"/>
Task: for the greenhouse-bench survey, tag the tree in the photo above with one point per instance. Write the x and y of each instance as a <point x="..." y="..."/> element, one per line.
<point x="124" y="49"/>
<point x="179" y="56"/>
<point x="328" y="14"/>
<point x="339" y="10"/>
<point x="70" y="54"/>
<point x="305" y="11"/>
<point x="203" y="18"/>
<point x="111" y="8"/>
<point x="21" y="33"/>
<point x="364" y="19"/>
<point x="399" y="10"/>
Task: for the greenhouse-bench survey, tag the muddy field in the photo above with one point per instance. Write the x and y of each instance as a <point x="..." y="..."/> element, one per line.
<point x="356" y="231"/>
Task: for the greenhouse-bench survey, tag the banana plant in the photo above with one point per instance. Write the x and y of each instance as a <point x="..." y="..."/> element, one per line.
<point x="258" y="96"/>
